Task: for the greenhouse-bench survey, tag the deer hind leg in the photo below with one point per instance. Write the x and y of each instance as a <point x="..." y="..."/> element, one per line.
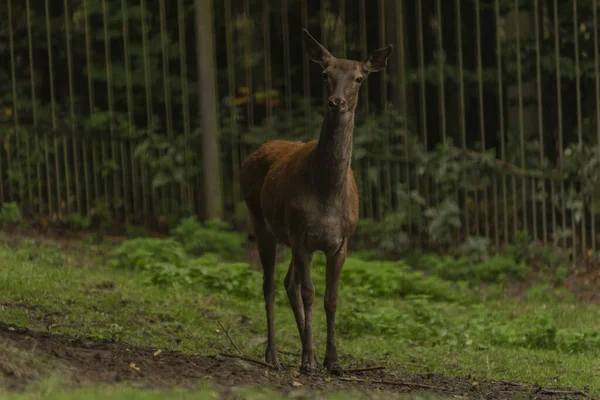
<point x="293" y="287"/>
<point x="301" y="259"/>
<point x="335" y="262"/>
<point x="267" y="247"/>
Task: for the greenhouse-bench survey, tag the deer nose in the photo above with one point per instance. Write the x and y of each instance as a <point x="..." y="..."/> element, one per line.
<point x="337" y="104"/>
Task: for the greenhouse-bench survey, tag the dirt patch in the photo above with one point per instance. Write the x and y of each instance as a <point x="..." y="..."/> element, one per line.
<point x="95" y="361"/>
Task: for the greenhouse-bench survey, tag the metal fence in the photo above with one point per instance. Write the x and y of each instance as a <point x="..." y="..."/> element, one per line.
<point x="490" y="105"/>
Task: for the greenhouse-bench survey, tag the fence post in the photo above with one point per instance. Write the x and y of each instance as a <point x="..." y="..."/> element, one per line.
<point x="205" y="62"/>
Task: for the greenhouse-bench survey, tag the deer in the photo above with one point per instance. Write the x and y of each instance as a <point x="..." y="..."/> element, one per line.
<point x="304" y="196"/>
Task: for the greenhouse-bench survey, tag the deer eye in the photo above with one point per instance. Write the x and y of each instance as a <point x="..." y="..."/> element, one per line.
<point x="359" y="79"/>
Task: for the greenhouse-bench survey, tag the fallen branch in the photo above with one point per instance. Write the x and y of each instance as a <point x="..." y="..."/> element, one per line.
<point x="364" y="369"/>
<point x="230" y="338"/>
<point x="519" y="387"/>
<point x="249" y="359"/>
<point x="566" y="392"/>
<point x="394" y="383"/>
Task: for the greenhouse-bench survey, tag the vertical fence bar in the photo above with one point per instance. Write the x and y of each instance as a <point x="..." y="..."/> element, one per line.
<point x="15" y="106"/>
<point x="287" y="65"/>
<point x="400" y="26"/>
<point x="111" y="113"/>
<point x="231" y="89"/>
<point x="306" y="70"/>
<point x="65" y="140"/>
<point x="34" y="114"/>
<point x="33" y="109"/>
<point x="29" y="172"/>
<point x="597" y="80"/>
<point x="501" y="112"/>
<point x="249" y="80"/>
<point x="53" y="112"/>
<point x="92" y="142"/>
<point x="579" y="133"/>
<point x="383" y="164"/>
<point x="74" y="141"/>
<point x="440" y="58"/>
<point x="148" y="193"/>
<point x="486" y="221"/>
<point x="461" y="96"/>
<point x="267" y="54"/>
<point x="560" y="121"/>
<point x="363" y="53"/>
<point x="124" y="175"/>
<point x="166" y="198"/>
<point x="521" y="118"/>
<point x="133" y="187"/>
<point x="342" y="16"/>
<point x="365" y="168"/>
<point x="442" y="70"/>
<point x="538" y="69"/>
<point x="422" y="87"/>
<point x="185" y="103"/>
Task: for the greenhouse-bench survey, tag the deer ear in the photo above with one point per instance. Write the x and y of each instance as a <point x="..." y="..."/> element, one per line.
<point x="377" y="60"/>
<point x="316" y="51"/>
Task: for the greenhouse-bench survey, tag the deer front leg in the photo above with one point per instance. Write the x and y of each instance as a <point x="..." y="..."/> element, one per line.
<point x="335" y="262"/>
<point x="267" y="247"/>
<point x="301" y="259"/>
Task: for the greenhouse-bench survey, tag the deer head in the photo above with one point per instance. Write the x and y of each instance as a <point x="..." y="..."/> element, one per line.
<point x="342" y="77"/>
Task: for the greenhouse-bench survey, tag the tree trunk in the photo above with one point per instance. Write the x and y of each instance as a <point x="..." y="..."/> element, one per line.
<point x="205" y="60"/>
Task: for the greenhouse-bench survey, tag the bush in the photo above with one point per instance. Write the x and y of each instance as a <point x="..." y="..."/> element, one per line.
<point x="422" y="322"/>
<point x="496" y="269"/>
<point x="212" y="237"/>
<point x="146" y="253"/>
<point x="77" y="222"/>
<point x="392" y="279"/>
<point x="164" y="262"/>
<point x="10" y="214"/>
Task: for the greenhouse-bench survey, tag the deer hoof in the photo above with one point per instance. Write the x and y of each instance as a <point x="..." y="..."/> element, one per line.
<point x="271" y="358"/>
<point x="307" y="367"/>
<point x="333" y="368"/>
<point x="309" y="363"/>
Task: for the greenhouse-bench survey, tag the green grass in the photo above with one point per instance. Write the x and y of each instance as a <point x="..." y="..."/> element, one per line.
<point x="52" y="390"/>
<point x="388" y="314"/>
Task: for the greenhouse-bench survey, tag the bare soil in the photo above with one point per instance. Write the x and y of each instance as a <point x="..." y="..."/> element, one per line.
<point x="96" y="361"/>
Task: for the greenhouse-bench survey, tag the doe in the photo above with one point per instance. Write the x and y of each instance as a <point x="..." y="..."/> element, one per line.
<point x="304" y="195"/>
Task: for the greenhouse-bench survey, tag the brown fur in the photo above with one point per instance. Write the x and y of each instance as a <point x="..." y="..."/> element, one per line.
<point x="304" y="195"/>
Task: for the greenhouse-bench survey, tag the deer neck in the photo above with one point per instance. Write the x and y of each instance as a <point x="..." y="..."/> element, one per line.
<point x="333" y="155"/>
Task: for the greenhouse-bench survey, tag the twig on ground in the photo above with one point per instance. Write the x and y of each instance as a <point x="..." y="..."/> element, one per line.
<point x="249" y="359"/>
<point x="565" y="392"/>
<point x="519" y="387"/>
<point x="513" y="383"/>
<point x="395" y="383"/>
<point x="364" y="369"/>
<point x="230" y="338"/>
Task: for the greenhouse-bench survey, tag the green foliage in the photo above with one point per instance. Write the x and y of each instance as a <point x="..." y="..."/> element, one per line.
<point x="169" y="160"/>
<point x="444" y="221"/>
<point x="10" y="214"/>
<point x="495" y="269"/>
<point x="211" y="237"/>
<point x="388" y="279"/>
<point x="100" y="215"/>
<point x="77" y="222"/>
<point x="423" y="322"/>
<point x="164" y="262"/>
<point x="134" y="231"/>
<point x="475" y="249"/>
<point x="147" y="253"/>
